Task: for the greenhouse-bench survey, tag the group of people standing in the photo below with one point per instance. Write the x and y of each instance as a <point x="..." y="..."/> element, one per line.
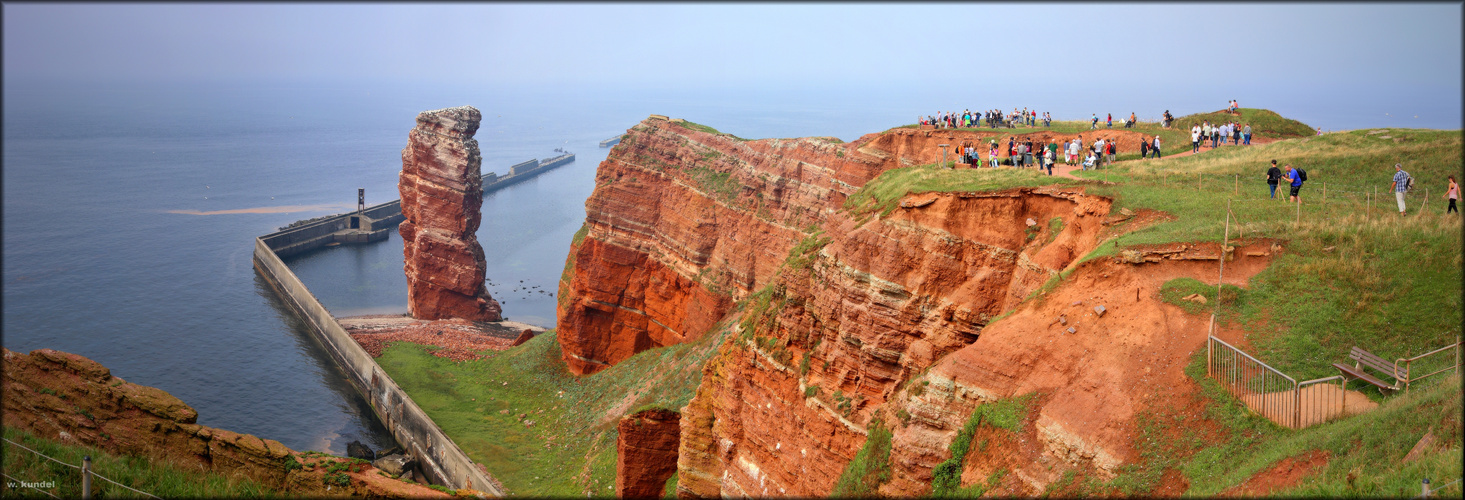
<point x="992" y="118"/>
<point x="1218" y="134"/>
<point x="1019" y="154"/>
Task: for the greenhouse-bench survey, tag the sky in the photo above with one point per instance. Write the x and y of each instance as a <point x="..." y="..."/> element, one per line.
<point x="1399" y="49"/>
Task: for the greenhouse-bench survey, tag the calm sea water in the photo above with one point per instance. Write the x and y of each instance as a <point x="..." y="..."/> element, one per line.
<point x="97" y="262"/>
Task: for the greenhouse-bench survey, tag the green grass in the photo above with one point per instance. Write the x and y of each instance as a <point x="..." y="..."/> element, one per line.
<point x="882" y="194"/>
<point x="158" y="478"/>
<point x="1006" y="414"/>
<point x="574" y="416"/>
<point x="870" y="468"/>
<point x="1264" y="123"/>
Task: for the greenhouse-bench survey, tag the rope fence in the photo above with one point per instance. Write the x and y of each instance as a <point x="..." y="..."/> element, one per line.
<point x="86" y="474"/>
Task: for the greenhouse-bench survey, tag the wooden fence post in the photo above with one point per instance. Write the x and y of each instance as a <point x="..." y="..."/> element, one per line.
<point x="86" y="477"/>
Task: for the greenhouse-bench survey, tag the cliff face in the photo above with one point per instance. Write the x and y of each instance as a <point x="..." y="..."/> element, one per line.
<point x="69" y="398"/>
<point x="442" y="196"/>
<point x="646" y="452"/>
<point x="682" y="223"/>
<point x="848" y="315"/>
<point x="787" y="408"/>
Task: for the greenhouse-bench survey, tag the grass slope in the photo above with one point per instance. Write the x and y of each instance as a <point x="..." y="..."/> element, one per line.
<point x="157" y="478"/>
<point x="564" y="445"/>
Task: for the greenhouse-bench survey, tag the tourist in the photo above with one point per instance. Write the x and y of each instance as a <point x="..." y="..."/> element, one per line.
<point x="1156" y="146"/>
<point x="1195" y="140"/>
<point x="1089" y="161"/>
<point x="1095" y="123"/>
<point x="1319" y="131"/>
<point x="1168" y="118"/>
<point x="1296" y="183"/>
<point x="1052" y="150"/>
<point x="1246" y="134"/>
<point x="1400" y="185"/>
<point x="1215" y="136"/>
<point x="1144" y="149"/>
<point x="1235" y="134"/>
<point x="1048" y="158"/>
<point x="992" y="155"/>
<point x="1452" y="193"/>
<point x="1109" y="120"/>
<point x="1113" y="149"/>
<point x="1130" y="123"/>
<point x="1274" y="175"/>
<point x="1070" y="154"/>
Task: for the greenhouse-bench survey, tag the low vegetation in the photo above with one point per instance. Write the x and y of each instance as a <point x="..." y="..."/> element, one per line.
<point x="162" y="479"/>
<point x="540" y="430"/>
<point x="870" y="468"/>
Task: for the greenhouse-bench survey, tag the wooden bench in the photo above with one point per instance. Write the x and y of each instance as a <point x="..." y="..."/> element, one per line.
<point x="1364" y="359"/>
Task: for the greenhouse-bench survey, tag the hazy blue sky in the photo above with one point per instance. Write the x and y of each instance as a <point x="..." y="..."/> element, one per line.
<point x="1339" y="50"/>
<point x="739" y="43"/>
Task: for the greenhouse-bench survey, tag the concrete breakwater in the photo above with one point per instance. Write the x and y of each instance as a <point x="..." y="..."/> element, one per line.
<point x="379" y="220"/>
<point x="523" y="171"/>
<point x="439" y="457"/>
<point x="373" y="224"/>
<point x="611" y="141"/>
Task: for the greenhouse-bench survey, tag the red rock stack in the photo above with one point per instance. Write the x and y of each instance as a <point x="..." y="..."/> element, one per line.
<point x="442" y="194"/>
<point x="646" y="452"/>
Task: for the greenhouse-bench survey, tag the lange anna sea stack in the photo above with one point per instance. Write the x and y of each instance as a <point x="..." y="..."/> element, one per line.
<point x="442" y="194"/>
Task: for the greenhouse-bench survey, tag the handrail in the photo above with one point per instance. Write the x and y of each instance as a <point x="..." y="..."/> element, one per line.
<point x="1248" y="356"/>
<point x="1407" y="362"/>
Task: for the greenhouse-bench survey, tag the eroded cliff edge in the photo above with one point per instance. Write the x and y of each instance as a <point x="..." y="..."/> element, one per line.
<point x="850" y="310"/>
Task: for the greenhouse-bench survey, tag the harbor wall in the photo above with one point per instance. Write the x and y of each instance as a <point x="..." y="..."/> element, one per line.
<point x="306" y="237"/>
<point x="520" y="172"/>
<point x="441" y="460"/>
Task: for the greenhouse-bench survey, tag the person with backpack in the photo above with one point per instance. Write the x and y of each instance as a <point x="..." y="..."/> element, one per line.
<point x="1297" y="176"/>
<point x="1274" y="175"/>
<point x="1402" y="183"/>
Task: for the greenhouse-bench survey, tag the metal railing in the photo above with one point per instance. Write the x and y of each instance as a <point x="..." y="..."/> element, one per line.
<point x="1409" y="377"/>
<point x="1270" y="392"/>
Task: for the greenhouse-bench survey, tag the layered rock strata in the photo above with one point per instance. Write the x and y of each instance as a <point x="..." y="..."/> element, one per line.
<point x="853" y="309"/>
<point x="69" y="398"/>
<point x="646" y="452"/>
<point x="442" y="195"/>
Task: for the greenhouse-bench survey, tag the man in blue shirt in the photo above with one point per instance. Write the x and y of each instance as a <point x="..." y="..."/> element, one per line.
<point x="1296" y="181"/>
<point x="1400" y="185"/>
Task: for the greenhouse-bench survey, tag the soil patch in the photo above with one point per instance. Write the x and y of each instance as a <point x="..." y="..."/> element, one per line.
<point x="1285" y="473"/>
<point x="458" y="339"/>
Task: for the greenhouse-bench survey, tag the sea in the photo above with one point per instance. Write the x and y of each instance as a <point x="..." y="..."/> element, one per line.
<point x="130" y="209"/>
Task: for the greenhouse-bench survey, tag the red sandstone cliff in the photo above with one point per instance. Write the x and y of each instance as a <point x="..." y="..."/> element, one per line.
<point x="852" y="309"/>
<point x="646" y="452"/>
<point x="74" y="400"/>
<point x="442" y="194"/>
